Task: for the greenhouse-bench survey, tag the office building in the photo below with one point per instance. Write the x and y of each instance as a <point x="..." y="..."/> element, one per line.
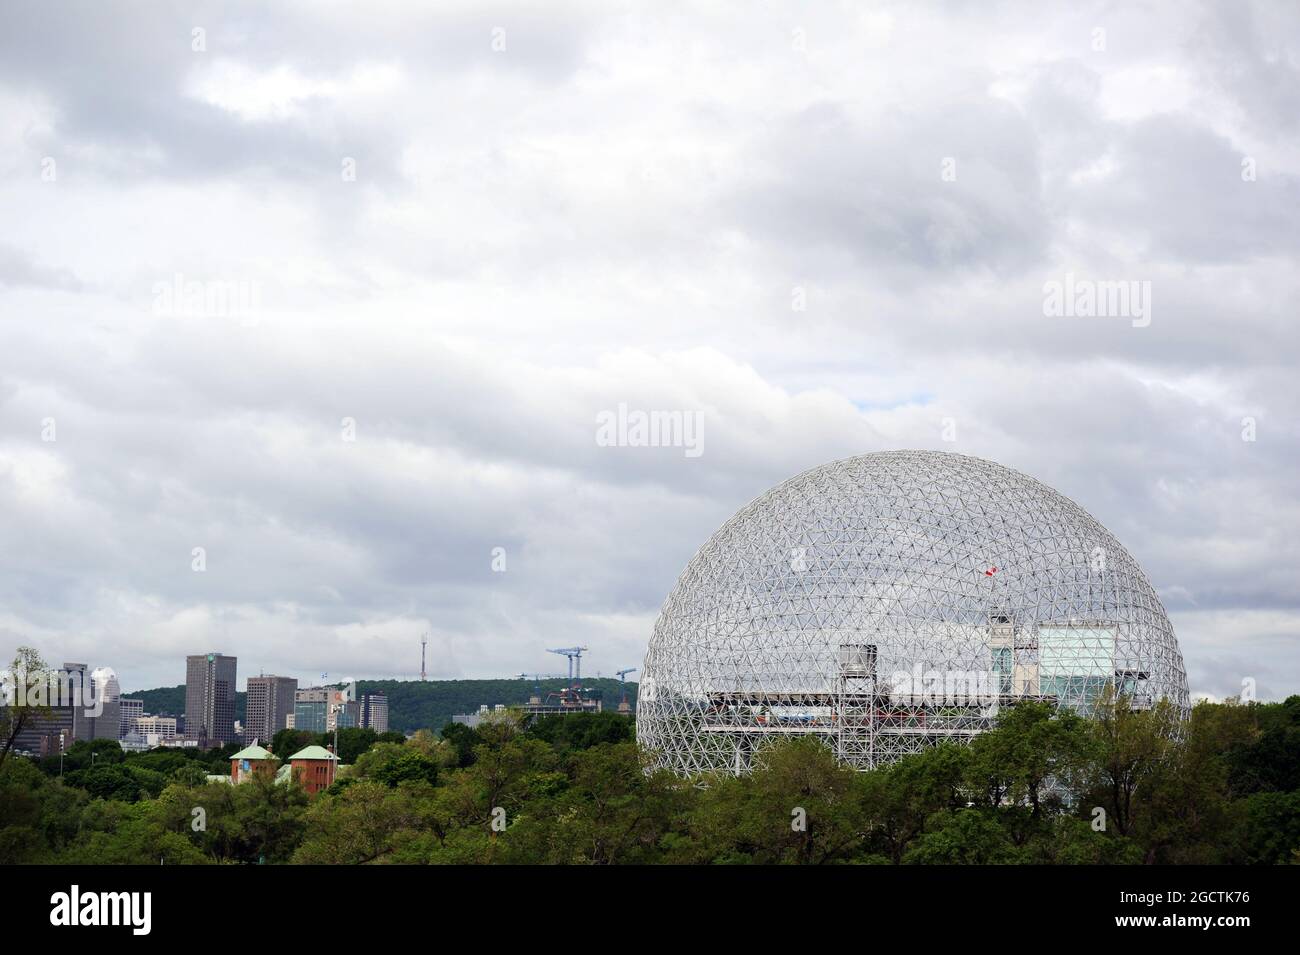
<point x="130" y="711"/>
<point x="162" y="727"/>
<point x="46" y="735"/>
<point x="311" y="709"/>
<point x="269" y="701"/>
<point x="347" y="715"/>
<point x="210" y="699"/>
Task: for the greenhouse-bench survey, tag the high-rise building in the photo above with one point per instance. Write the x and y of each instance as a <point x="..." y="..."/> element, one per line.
<point x="82" y="705"/>
<point x="268" y="704"/>
<point x="322" y="709"/>
<point x="210" y="698"/>
<point x="74" y="677"/>
<point x="105" y="721"/>
<point x="348" y="714"/>
<point x="48" y="734"/>
<point x="311" y="709"/>
<point x="130" y="711"/>
<point x="96" y="713"/>
<point x="374" y="712"/>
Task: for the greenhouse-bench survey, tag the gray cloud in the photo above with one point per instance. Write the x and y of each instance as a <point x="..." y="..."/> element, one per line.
<point x="723" y="212"/>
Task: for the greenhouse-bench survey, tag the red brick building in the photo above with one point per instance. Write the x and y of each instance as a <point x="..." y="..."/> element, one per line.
<point x="314" y="768"/>
<point x="253" y="759"/>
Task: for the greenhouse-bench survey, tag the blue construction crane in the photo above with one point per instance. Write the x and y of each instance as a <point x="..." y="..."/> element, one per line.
<point x="575" y="662"/>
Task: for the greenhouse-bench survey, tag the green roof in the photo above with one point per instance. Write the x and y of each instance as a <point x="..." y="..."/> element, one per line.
<point x="313" y="752"/>
<point x="252" y="752"/>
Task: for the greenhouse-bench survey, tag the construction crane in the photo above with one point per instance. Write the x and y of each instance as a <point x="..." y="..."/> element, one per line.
<point x="622" y="674"/>
<point x="575" y="662"/>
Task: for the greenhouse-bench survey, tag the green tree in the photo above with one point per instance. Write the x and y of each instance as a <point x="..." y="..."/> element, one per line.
<point x="463" y="739"/>
<point x="1183" y="812"/>
<point x="1129" y="747"/>
<point x="1032" y="754"/>
<point x="353" y="741"/>
<point x="21" y="791"/>
<point x="84" y="755"/>
<point x="1271" y="760"/>
<point x="107" y="782"/>
<point x="17" y="711"/>
<point x="962" y="837"/>
<point x="609" y="811"/>
<point x="116" y="833"/>
<point x="1272" y="828"/>
<point x="393" y="763"/>
<point x="272" y="819"/>
<point x="365" y="823"/>
<point x="574" y="731"/>
<point x="798" y="805"/>
<point x="286" y="742"/>
<point x="896" y="801"/>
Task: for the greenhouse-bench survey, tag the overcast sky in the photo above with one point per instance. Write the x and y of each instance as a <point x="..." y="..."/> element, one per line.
<point x="432" y="246"/>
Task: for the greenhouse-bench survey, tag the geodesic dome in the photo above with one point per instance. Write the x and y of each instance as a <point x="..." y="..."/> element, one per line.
<point x="889" y="601"/>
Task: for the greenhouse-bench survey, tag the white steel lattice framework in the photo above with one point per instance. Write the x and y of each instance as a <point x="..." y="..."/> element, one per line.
<point x="889" y="601"/>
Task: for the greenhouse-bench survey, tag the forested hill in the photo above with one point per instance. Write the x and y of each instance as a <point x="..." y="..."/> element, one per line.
<point x="416" y="705"/>
<point x="430" y="704"/>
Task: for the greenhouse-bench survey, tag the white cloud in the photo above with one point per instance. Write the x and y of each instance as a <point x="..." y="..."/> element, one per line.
<point x="620" y="206"/>
<point x="281" y="92"/>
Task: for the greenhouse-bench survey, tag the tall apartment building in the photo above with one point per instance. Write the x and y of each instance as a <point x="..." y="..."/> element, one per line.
<point x="130" y="710"/>
<point x="210" y="698"/>
<point x="268" y="704"/>
<point x="374" y="712"/>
